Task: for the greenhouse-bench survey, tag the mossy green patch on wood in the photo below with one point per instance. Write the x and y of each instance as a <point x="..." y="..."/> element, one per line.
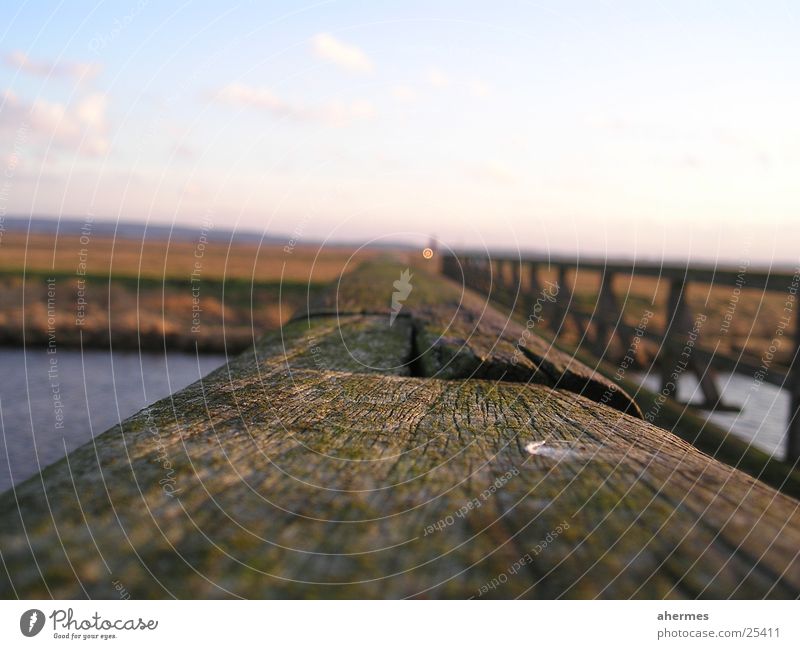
<point x="279" y="476"/>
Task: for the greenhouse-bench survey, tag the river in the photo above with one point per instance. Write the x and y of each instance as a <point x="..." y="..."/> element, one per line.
<point x="52" y="403"/>
<point x="764" y="413"/>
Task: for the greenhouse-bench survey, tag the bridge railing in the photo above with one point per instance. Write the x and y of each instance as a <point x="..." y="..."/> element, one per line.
<point x="395" y="446"/>
<point x="519" y="281"/>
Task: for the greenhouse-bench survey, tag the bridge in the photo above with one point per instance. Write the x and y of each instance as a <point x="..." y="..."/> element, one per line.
<point x="518" y="282"/>
<point x="410" y="443"/>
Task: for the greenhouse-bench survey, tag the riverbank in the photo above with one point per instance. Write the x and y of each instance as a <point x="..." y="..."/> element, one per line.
<point x="142" y="313"/>
<point x="202" y="293"/>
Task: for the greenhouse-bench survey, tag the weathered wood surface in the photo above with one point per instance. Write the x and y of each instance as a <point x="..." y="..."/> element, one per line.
<point x="487" y="275"/>
<point x="327" y="463"/>
<point x="457" y="334"/>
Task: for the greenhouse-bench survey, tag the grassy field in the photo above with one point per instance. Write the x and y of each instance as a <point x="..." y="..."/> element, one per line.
<point x="144" y="294"/>
<point x="175" y="259"/>
<point x="173" y="295"/>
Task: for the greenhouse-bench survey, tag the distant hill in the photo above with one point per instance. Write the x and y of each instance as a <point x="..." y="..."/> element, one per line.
<point x="133" y="230"/>
<point x="71" y="226"/>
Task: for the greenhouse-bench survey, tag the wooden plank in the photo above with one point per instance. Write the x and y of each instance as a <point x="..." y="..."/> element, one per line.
<point x="330" y="492"/>
<point x="278" y="477"/>
<point x="707" y="437"/>
<point x="793" y="383"/>
<point x="607" y="313"/>
<point x="345" y="344"/>
<point x="460" y="335"/>
<point x="679" y="325"/>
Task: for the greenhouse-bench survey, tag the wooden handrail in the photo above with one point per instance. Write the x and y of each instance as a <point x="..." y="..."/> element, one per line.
<point x="447" y="451"/>
<point x="484" y="273"/>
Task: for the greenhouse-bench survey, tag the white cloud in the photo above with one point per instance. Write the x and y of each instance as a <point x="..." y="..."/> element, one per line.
<point x="404" y="93"/>
<point x="77" y="71"/>
<point x="437" y="78"/>
<point x="261" y="98"/>
<point x="11" y="162"/>
<point x="92" y="110"/>
<point x="344" y="55"/>
<point x="340" y="111"/>
<point x="336" y="112"/>
<point x="81" y="128"/>
<point x="184" y="151"/>
<point x="478" y="88"/>
<point x="496" y="172"/>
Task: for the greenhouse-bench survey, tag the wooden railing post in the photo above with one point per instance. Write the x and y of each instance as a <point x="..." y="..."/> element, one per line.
<point x="793" y="434"/>
<point x="533" y="275"/>
<point x="515" y="277"/>
<point x="450" y="267"/>
<point x="499" y="275"/>
<point x="563" y="302"/>
<point x="494" y="277"/>
<point x="565" y="306"/>
<point x="505" y="272"/>
<point x="548" y="305"/>
<point x="606" y="311"/>
<point x="471" y="275"/>
<point x="679" y="325"/>
<point x="676" y="317"/>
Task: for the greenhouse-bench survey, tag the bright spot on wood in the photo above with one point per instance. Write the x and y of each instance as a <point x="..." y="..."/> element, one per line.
<point x="427" y="253"/>
<point x="533" y="447"/>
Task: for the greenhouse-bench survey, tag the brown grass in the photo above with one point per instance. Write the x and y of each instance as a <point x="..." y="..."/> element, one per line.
<point x="140" y="296"/>
<point x="176" y="259"/>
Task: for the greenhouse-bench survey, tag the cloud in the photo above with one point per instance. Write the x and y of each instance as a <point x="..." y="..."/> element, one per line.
<point x="437" y="78"/>
<point x="478" y="88"/>
<point x="91" y="110"/>
<point x="335" y="112"/>
<point x="339" y="111"/>
<point x="81" y="127"/>
<point x="261" y="98"/>
<point x="495" y="172"/>
<point x="10" y="163"/>
<point x="404" y="93"/>
<point x="346" y="56"/>
<point x="184" y="151"/>
<point x="77" y="71"/>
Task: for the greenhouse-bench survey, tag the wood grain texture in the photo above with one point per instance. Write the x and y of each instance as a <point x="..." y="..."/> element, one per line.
<point x="303" y="469"/>
<point x="459" y="335"/>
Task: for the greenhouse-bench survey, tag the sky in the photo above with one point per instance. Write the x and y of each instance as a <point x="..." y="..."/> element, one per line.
<point x="629" y="129"/>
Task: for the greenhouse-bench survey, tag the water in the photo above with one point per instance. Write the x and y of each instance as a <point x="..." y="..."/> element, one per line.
<point x="93" y="395"/>
<point x="765" y="408"/>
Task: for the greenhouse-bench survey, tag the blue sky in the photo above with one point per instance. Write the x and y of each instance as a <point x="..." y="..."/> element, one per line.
<point x="633" y="128"/>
